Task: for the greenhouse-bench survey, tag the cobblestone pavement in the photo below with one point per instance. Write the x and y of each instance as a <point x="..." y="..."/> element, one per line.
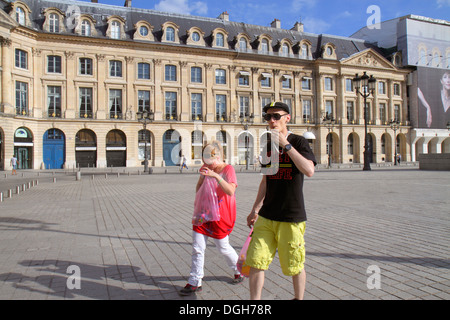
<point x="382" y="234"/>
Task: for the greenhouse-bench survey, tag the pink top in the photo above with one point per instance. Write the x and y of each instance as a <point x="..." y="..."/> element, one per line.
<point x="227" y="209"/>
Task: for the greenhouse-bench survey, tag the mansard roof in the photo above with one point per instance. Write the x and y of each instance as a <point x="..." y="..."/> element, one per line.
<point x="344" y="46"/>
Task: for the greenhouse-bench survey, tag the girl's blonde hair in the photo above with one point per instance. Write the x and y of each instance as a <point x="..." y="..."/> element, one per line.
<point x="212" y="149"/>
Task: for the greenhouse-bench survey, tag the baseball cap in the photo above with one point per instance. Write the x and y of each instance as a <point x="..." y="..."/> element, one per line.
<point x="277" y="105"/>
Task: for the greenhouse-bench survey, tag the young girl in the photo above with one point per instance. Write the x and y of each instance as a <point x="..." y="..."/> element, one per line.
<point x="226" y="185"/>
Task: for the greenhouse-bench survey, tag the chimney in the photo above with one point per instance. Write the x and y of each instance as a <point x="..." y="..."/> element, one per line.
<point x="127" y="3"/>
<point x="94" y="1"/>
<point x="298" y="27"/>
<point x="276" y="24"/>
<point x="224" y="16"/>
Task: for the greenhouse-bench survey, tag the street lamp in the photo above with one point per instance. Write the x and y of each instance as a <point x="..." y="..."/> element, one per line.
<point x="329" y="122"/>
<point x="246" y="121"/>
<point x="145" y="117"/>
<point x="395" y="125"/>
<point x="367" y="84"/>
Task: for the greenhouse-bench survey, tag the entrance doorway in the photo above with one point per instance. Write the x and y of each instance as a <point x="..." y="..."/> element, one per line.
<point x="116" y="149"/>
<point x="54" y="149"/>
<point x="171" y="148"/>
<point x="23" y="148"/>
<point x="86" y="149"/>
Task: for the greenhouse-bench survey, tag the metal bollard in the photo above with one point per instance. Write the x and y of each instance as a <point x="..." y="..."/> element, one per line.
<point x="10" y="193"/>
<point x="17" y="189"/>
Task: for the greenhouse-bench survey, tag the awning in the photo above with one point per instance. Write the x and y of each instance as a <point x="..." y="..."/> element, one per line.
<point x="309" y="135"/>
<point x="266" y="75"/>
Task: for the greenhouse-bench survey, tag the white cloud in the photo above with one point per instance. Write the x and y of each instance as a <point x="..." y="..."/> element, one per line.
<point x="443" y="3"/>
<point x="298" y="5"/>
<point x="315" y="25"/>
<point x="182" y="6"/>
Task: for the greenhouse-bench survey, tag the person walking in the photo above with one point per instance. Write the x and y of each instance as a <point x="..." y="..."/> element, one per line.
<point x="14" y="165"/>
<point x="278" y="215"/>
<point x="183" y="164"/>
<point x="219" y="231"/>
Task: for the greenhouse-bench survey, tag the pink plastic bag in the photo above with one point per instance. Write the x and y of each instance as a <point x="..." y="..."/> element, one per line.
<point x="206" y="206"/>
<point x="242" y="267"/>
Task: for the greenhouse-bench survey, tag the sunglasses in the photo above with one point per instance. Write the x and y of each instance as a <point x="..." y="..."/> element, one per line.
<point x="275" y="116"/>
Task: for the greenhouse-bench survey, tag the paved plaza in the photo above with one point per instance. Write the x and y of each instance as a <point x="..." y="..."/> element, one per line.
<point x="383" y="234"/>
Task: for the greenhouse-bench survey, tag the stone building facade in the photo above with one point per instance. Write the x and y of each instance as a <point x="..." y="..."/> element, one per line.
<point x="74" y="75"/>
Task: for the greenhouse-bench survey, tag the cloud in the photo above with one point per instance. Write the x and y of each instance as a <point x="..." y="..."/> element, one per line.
<point x="443" y="3"/>
<point x="298" y="5"/>
<point x="316" y="25"/>
<point x="182" y="6"/>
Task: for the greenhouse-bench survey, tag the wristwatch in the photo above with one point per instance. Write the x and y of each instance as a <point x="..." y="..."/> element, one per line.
<point x="287" y="147"/>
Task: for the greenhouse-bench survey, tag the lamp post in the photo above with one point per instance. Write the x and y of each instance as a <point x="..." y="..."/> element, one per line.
<point x="145" y="117"/>
<point x="246" y="121"/>
<point x="395" y="125"/>
<point x="367" y="84"/>
<point x="329" y="122"/>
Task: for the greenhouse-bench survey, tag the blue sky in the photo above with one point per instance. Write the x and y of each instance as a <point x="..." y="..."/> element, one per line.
<point x="338" y="17"/>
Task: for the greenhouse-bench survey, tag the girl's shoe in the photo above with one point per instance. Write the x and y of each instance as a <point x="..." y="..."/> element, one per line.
<point x="188" y="290"/>
<point x="238" y="278"/>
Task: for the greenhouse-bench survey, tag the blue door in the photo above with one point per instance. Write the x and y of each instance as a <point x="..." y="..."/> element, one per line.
<point x="54" y="149"/>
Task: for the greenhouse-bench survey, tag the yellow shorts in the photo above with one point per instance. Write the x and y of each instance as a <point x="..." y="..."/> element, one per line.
<point x="287" y="237"/>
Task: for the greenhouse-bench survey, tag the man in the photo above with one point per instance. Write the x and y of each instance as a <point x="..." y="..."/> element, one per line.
<point x="14" y="165"/>
<point x="278" y="214"/>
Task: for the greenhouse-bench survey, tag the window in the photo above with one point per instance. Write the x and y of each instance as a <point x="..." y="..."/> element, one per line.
<point x="221" y="77"/>
<point x="306" y="83"/>
<point x="264" y="102"/>
<point x="382" y="109"/>
<point x="170" y="34"/>
<point x="381" y="87"/>
<point x="244" y="78"/>
<point x="21" y="59"/>
<point x="243" y="44"/>
<point x="20" y="16"/>
<point x="265" y="80"/>
<point x="170" y="73"/>
<point x="368" y="113"/>
<point x="143" y="31"/>
<point x="115" y="104"/>
<point x="21" y="98"/>
<point x="329" y="50"/>
<point x="350" y="111"/>
<point x="244" y="104"/>
<point x="143" y="71"/>
<point x="348" y="85"/>
<point x="305" y="51"/>
<point x="264" y="46"/>
<point x="221" y="108"/>
<point x="397" y="112"/>
<point x="196" y="36"/>
<point x="196" y="104"/>
<point x="54" y="23"/>
<point x="328" y="84"/>
<point x="85" y="66"/>
<point x="54" y="64"/>
<point x="144" y="100"/>
<point x="86" y="28"/>
<point x="285" y="50"/>
<point x="286" y="82"/>
<point x="396" y="89"/>
<point x="197" y="144"/>
<point x="171" y="105"/>
<point x="306" y="104"/>
<point x="115" y="68"/>
<point x="329" y="109"/>
<point x="115" y="30"/>
<point x="85" y="102"/>
<point x="54" y="101"/>
<point x="196" y="75"/>
<point x="220" y="40"/>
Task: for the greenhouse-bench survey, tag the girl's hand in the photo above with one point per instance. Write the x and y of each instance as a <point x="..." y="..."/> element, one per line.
<point x="208" y="172"/>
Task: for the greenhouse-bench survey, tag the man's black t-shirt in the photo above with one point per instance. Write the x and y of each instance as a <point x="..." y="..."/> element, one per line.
<point x="284" y="188"/>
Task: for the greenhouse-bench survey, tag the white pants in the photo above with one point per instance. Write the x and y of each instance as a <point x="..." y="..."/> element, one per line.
<point x="198" y="256"/>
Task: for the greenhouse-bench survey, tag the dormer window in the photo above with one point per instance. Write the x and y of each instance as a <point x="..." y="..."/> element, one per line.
<point x="115" y="30"/>
<point x="144" y="31"/>
<point x="329" y="51"/>
<point x="85" y="28"/>
<point x="53" y="23"/>
<point x="243" y="44"/>
<point x="170" y="34"/>
<point x="195" y="37"/>
<point x="265" y="46"/>
<point x="220" y="39"/>
<point x="20" y="16"/>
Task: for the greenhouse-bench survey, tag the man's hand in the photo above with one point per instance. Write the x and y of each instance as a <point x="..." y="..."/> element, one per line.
<point x="251" y="219"/>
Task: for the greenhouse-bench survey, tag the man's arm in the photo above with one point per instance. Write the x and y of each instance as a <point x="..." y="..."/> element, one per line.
<point x="251" y="219"/>
<point x="304" y="165"/>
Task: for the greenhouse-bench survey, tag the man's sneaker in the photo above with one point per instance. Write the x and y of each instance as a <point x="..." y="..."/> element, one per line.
<point x="188" y="290"/>
<point x="238" y="278"/>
